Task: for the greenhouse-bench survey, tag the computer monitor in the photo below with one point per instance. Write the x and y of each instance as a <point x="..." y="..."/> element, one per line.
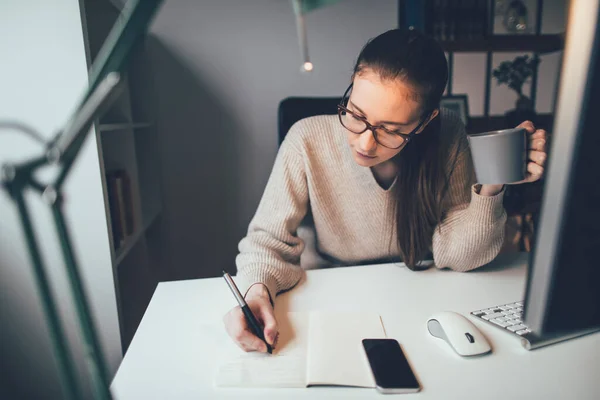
<point x="563" y="289"/>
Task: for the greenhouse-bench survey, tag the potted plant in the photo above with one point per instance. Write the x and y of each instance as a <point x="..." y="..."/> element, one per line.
<point x="514" y="74"/>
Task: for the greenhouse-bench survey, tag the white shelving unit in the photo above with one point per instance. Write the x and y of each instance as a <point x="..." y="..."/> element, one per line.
<point x="127" y="139"/>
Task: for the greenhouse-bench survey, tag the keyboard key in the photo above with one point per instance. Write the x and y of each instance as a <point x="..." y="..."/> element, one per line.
<point x="515" y="328"/>
<point x="487" y="317"/>
<point x="507" y="316"/>
<point x="498" y="321"/>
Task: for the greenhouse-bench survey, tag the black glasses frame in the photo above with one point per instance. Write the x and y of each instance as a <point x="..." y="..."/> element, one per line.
<point x="373" y="128"/>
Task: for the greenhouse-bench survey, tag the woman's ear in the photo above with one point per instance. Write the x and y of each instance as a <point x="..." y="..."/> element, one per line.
<point x="431" y="117"/>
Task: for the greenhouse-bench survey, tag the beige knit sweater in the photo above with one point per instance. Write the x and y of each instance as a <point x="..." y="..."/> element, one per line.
<point x="354" y="216"/>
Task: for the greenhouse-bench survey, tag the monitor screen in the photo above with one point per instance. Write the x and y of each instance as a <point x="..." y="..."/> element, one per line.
<point x="563" y="290"/>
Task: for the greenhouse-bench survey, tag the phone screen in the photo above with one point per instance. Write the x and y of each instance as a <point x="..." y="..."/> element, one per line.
<point x="389" y="365"/>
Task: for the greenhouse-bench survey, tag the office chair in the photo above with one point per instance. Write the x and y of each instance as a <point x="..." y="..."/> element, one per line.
<point x="291" y="110"/>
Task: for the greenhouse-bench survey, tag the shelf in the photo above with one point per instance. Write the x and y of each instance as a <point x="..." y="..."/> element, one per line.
<point x="121" y="126"/>
<point x="507" y="43"/>
<point x="122" y="252"/>
<point x="127" y="246"/>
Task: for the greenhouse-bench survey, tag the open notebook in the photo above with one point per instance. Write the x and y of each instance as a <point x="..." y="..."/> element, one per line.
<point x="316" y="348"/>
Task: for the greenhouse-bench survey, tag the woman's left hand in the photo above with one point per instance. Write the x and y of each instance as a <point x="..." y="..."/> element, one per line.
<point x="536" y="158"/>
<point x="536" y="152"/>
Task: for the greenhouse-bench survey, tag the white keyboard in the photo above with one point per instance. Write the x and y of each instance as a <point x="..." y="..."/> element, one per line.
<point x="507" y="316"/>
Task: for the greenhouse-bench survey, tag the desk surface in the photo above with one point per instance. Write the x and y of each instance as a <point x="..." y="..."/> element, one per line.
<point x="174" y="354"/>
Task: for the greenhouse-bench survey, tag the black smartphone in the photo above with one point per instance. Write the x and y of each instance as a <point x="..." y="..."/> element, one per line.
<point x="390" y="368"/>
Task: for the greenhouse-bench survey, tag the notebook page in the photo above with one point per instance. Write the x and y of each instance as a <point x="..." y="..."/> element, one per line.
<point x="335" y="352"/>
<point x="286" y="367"/>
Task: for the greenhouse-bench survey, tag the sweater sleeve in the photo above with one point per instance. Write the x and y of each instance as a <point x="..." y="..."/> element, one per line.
<point x="472" y="230"/>
<point x="270" y="252"/>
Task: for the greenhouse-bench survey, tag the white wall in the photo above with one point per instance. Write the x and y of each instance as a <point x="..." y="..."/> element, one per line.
<point x="42" y="75"/>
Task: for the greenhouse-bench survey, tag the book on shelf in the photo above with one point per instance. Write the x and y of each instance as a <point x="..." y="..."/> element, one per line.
<point x="120" y="201"/>
<point x="449" y="20"/>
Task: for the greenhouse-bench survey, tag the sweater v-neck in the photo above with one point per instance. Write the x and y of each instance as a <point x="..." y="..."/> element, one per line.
<point x="366" y="175"/>
<point x="385" y="189"/>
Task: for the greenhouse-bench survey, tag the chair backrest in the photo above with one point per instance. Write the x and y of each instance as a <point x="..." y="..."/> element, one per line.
<point x="293" y="109"/>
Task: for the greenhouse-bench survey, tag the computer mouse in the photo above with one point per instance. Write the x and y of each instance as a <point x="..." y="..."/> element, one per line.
<point x="460" y="333"/>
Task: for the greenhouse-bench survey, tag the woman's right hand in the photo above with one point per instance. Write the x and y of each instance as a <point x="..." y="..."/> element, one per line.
<point x="259" y="302"/>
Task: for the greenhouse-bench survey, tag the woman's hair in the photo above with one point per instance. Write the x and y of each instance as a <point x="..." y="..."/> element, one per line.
<point x="422" y="180"/>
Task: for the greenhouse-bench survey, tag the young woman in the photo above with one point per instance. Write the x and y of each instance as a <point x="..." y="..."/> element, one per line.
<point x="389" y="178"/>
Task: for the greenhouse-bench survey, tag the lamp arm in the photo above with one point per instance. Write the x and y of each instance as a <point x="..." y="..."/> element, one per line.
<point x="16" y="179"/>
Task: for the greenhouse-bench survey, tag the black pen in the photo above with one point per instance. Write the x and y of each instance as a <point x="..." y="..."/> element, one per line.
<point x="250" y="318"/>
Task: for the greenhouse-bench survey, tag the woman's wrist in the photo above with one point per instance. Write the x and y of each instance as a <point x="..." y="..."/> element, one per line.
<point x="490" y="190"/>
<point x="258" y="290"/>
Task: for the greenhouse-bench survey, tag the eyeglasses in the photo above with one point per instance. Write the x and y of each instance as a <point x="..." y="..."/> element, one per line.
<point x="358" y="124"/>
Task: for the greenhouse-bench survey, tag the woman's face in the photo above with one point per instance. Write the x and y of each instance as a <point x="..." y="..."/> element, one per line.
<point x="392" y="104"/>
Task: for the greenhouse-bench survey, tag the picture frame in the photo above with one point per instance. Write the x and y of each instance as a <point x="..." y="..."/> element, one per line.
<point x="457" y="103"/>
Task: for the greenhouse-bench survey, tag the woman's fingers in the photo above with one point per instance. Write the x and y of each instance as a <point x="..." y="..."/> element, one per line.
<point x="237" y="328"/>
<point x="535" y="170"/>
<point x="538" y="157"/>
<point x="538" y="134"/>
<point x="249" y="342"/>
<point x="528" y="125"/>
<point x="537" y="137"/>
<point x="537" y="151"/>
<point x="537" y="144"/>
<point x="270" y="324"/>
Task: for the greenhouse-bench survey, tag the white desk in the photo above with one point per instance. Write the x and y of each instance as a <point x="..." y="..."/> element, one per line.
<point x="174" y="353"/>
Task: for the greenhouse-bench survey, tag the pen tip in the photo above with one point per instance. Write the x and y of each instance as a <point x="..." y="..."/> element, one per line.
<point x="224" y="272"/>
